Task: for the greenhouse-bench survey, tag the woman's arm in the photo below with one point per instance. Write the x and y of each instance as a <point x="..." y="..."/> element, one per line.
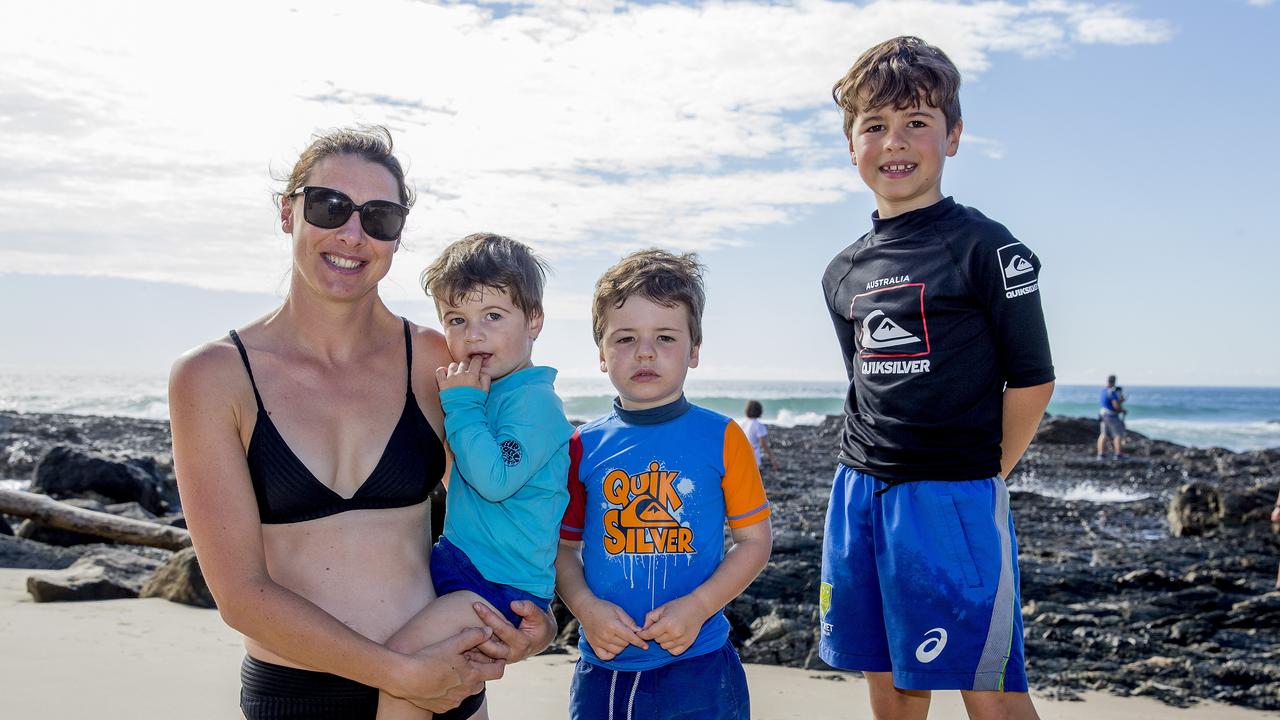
<point x="222" y="516"/>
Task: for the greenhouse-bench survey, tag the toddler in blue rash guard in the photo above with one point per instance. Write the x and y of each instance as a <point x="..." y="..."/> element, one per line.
<point x="508" y="433"/>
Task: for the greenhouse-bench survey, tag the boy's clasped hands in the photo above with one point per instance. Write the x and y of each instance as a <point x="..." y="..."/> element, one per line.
<point x="673" y="625"/>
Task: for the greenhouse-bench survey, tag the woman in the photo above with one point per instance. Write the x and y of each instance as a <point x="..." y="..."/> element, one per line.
<point x="306" y="444"/>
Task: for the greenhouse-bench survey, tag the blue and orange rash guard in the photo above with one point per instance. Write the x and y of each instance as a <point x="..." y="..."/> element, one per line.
<point x="649" y="494"/>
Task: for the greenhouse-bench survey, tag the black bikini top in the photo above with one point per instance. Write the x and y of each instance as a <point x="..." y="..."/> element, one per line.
<point x="410" y="467"/>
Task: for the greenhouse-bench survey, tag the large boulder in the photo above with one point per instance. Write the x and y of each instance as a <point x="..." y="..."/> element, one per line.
<point x="67" y="472"/>
<point x="1194" y="509"/>
<point x="180" y="580"/>
<point x="1063" y="430"/>
<point x="101" y="574"/>
<point x="16" y="552"/>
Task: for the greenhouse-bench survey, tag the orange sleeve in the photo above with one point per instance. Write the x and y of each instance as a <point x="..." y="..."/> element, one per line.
<point x="744" y="500"/>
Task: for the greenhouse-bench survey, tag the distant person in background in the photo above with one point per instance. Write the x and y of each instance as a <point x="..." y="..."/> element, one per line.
<point x="1121" y="399"/>
<point x="1111" y="404"/>
<point x="1275" y="518"/>
<point x="757" y="434"/>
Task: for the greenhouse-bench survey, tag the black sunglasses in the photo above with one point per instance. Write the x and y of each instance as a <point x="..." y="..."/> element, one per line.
<point x="327" y="208"/>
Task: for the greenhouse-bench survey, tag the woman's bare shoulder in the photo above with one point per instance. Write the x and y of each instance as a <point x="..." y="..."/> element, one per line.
<point x="429" y="344"/>
<point x="212" y="368"/>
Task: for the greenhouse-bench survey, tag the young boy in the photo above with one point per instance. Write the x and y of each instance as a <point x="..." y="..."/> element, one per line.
<point x="642" y="563"/>
<point x="938" y="316"/>
<point x="509" y="437"/>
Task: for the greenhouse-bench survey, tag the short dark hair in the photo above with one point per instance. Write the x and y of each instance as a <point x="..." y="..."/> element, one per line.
<point x="371" y="143"/>
<point x="483" y="260"/>
<point x="658" y="276"/>
<point x="900" y="72"/>
<point x="1111" y="380"/>
<point x="754" y="409"/>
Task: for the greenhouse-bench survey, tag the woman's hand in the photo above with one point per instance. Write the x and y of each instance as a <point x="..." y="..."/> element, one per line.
<point x="511" y="644"/>
<point x="439" y="677"/>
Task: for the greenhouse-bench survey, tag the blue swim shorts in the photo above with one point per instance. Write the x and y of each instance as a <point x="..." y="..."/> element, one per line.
<point x="712" y="686"/>
<point x="452" y="570"/>
<point x="922" y="580"/>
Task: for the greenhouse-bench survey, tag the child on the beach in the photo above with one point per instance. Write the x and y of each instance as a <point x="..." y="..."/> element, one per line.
<point x="757" y="434"/>
<point x="937" y="311"/>
<point x="509" y="437"/>
<point x="642" y="563"/>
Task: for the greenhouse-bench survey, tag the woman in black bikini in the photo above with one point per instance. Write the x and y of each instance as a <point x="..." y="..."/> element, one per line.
<point x="306" y="444"/>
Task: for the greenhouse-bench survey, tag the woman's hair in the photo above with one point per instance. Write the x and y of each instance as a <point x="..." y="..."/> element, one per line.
<point x="754" y="409"/>
<point x="371" y="143"/>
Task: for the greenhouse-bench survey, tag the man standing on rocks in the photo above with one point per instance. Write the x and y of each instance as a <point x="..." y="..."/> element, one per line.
<point x="1112" y="425"/>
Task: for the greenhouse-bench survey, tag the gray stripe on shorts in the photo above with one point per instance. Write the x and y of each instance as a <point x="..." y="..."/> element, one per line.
<point x="995" y="652"/>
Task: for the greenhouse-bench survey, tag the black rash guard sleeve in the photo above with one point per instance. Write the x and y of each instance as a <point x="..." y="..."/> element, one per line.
<point x="846" y="329"/>
<point x="1005" y="274"/>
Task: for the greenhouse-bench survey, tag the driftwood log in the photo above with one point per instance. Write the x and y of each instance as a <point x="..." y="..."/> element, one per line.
<point x="47" y="511"/>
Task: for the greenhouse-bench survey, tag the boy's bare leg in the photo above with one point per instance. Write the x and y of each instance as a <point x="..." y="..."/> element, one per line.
<point x="443" y="618"/>
<point x="890" y="703"/>
<point x="999" y="705"/>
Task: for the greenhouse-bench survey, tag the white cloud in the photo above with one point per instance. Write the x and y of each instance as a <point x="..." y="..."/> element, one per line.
<point x="1260" y="3"/>
<point x="136" y="139"/>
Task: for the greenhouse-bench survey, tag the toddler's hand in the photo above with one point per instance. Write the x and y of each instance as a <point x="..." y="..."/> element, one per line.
<point x="609" y="630"/>
<point x="464" y="374"/>
<point x="1275" y="514"/>
<point x="675" y="625"/>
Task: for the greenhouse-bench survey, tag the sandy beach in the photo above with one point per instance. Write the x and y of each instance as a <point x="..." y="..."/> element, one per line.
<point x="156" y="659"/>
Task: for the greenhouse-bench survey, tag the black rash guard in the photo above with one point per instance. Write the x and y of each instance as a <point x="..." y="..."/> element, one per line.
<point x="937" y="310"/>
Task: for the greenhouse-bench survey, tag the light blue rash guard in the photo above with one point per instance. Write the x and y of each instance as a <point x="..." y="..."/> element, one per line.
<point x="507" y="488"/>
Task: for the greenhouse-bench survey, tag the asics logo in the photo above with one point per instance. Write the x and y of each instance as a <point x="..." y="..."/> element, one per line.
<point x="932" y="647"/>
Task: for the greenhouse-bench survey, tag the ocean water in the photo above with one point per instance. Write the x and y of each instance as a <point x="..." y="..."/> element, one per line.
<point x="1234" y="418"/>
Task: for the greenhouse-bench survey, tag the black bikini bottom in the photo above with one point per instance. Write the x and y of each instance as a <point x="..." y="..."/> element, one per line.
<point x="276" y="692"/>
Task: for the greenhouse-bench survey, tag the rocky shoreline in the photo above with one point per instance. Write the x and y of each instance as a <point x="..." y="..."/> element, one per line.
<point x="1166" y="591"/>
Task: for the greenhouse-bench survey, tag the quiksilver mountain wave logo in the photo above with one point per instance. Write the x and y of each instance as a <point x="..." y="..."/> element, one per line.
<point x="891" y="324"/>
<point x="880" y="331"/>
<point x="1016" y="268"/>
<point x="641" y="519"/>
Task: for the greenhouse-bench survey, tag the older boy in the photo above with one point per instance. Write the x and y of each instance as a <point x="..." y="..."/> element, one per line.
<point x="938" y="315"/>
<point x="642" y="563"/>
<point x="509" y="437"/>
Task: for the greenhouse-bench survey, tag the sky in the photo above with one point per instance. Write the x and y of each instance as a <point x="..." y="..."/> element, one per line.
<point x="1132" y="146"/>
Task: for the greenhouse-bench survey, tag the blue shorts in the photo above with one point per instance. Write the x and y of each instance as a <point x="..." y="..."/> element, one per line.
<point x="452" y="570"/>
<point x="706" y="687"/>
<point x="922" y="580"/>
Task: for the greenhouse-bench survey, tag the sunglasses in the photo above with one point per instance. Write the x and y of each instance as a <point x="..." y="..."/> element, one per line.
<point x="327" y="208"/>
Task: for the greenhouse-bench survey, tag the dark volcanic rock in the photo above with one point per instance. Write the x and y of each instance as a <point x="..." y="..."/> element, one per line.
<point x="1194" y="509"/>
<point x="102" y="574"/>
<point x="68" y="472"/>
<point x="18" y="552"/>
<point x="180" y="580"/>
<point x="1063" y="430"/>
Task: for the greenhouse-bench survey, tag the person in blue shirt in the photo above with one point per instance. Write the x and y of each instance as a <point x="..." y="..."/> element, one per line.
<point x="1110" y="409"/>
<point x="510" y="442"/>
<point x="652" y="485"/>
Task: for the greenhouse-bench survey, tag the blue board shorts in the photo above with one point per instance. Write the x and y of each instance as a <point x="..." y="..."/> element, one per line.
<point x="712" y="686"/>
<point x="452" y="570"/>
<point x="922" y="581"/>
